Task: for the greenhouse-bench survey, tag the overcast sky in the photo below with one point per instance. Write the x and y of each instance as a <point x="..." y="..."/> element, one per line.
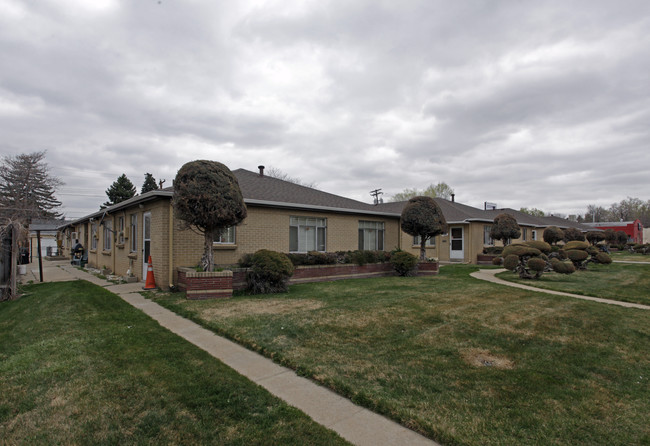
<point x="540" y="104"/>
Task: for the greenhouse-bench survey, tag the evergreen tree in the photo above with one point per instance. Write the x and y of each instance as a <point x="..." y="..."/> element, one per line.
<point x="121" y="189"/>
<point x="149" y="183"/>
<point x="27" y="189"/>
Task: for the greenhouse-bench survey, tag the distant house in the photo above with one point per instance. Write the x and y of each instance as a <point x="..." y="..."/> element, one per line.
<point x="282" y="216"/>
<point x="48" y="233"/>
<point x="633" y="229"/>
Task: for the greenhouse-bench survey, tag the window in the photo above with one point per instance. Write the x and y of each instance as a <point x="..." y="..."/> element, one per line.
<point x="108" y="229"/>
<point x="430" y="242"/>
<point x="487" y="238"/>
<point x="524" y="234"/>
<point x="93" y="236"/>
<point x="533" y="235"/>
<point x="225" y="236"/>
<point x="307" y="234"/>
<point x="133" y="232"/>
<point x="120" y="228"/>
<point x="371" y="235"/>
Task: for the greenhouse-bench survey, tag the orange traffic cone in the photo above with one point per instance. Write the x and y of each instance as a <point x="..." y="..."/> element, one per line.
<point x="150" y="284"/>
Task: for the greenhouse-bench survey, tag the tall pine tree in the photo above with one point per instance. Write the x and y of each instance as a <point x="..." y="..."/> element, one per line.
<point x="27" y="189"/>
<point x="121" y="189"/>
<point x="149" y="183"/>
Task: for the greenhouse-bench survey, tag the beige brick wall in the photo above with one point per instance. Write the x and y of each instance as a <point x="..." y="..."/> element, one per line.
<point x="269" y="228"/>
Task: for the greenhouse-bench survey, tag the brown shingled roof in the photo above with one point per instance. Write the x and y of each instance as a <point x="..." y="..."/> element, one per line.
<point x="265" y="190"/>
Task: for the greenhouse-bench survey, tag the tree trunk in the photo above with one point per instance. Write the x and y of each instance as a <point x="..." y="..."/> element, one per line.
<point x="207" y="262"/>
<point x="423" y="249"/>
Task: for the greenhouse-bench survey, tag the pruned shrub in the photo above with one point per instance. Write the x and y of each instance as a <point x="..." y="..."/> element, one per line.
<point x="538" y="244"/>
<point x="404" y="263"/>
<point x="571" y="234"/>
<point x="576" y="255"/>
<point x="536" y="264"/>
<point x="269" y="272"/>
<point x="520" y="250"/>
<point x="562" y="267"/>
<point x="603" y="258"/>
<point x="498" y="261"/>
<point x="594" y="237"/>
<point x="245" y="261"/>
<point x="313" y="258"/>
<point x="576" y="245"/>
<point x="510" y="262"/>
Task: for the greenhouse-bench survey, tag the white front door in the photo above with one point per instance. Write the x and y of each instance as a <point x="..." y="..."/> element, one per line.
<point x="456" y="243"/>
<point x="146" y="243"/>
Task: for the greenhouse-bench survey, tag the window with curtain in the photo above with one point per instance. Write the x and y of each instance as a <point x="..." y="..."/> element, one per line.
<point x="307" y="234"/>
<point x="108" y="235"/>
<point x="371" y="235"/>
<point x="487" y="239"/>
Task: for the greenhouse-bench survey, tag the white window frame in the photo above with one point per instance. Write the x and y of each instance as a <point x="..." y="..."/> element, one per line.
<point x="307" y="232"/>
<point x="524" y="234"/>
<point x="225" y="236"/>
<point x="365" y="228"/>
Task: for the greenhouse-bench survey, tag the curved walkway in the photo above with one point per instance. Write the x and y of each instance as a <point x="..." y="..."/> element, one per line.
<point x="355" y="424"/>
<point x="490" y="276"/>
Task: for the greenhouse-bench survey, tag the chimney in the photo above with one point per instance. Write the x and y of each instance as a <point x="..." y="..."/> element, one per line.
<point x="453" y="198"/>
<point x="261" y="168"/>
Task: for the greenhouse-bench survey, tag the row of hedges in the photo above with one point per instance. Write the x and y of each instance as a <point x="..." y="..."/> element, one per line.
<point x="328" y="258"/>
<point x="270" y="271"/>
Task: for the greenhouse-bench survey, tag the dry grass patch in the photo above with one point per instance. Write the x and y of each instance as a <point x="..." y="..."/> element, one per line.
<point x="483" y="358"/>
<point x="270" y="306"/>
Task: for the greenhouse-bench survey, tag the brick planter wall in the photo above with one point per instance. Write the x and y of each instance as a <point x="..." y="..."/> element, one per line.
<point x="485" y="259"/>
<point x="199" y="285"/>
<point x="205" y="285"/>
<point x="427" y="269"/>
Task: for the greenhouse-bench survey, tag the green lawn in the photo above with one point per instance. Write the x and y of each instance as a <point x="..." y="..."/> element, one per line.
<point x="617" y="281"/>
<point x="80" y="366"/>
<point x="625" y="256"/>
<point x="461" y="360"/>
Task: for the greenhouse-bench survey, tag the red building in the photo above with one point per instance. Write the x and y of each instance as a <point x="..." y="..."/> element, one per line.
<point x="633" y="229"/>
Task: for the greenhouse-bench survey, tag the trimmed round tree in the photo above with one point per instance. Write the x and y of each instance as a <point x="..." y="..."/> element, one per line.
<point x="594" y="237"/>
<point x="505" y="227"/>
<point x="207" y="197"/>
<point x="553" y="234"/>
<point x="422" y="217"/>
<point x="571" y="234"/>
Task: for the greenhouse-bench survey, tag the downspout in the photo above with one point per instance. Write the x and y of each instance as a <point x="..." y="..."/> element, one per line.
<point x="399" y="233"/>
<point x="171" y="244"/>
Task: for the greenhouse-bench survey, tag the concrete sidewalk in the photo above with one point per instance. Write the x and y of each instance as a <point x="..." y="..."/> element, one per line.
<point x="356" y="424"/>
<point x="489" y="275"/>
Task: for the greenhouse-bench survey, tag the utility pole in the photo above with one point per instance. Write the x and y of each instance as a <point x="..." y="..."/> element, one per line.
<point x="376" y="193"/>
